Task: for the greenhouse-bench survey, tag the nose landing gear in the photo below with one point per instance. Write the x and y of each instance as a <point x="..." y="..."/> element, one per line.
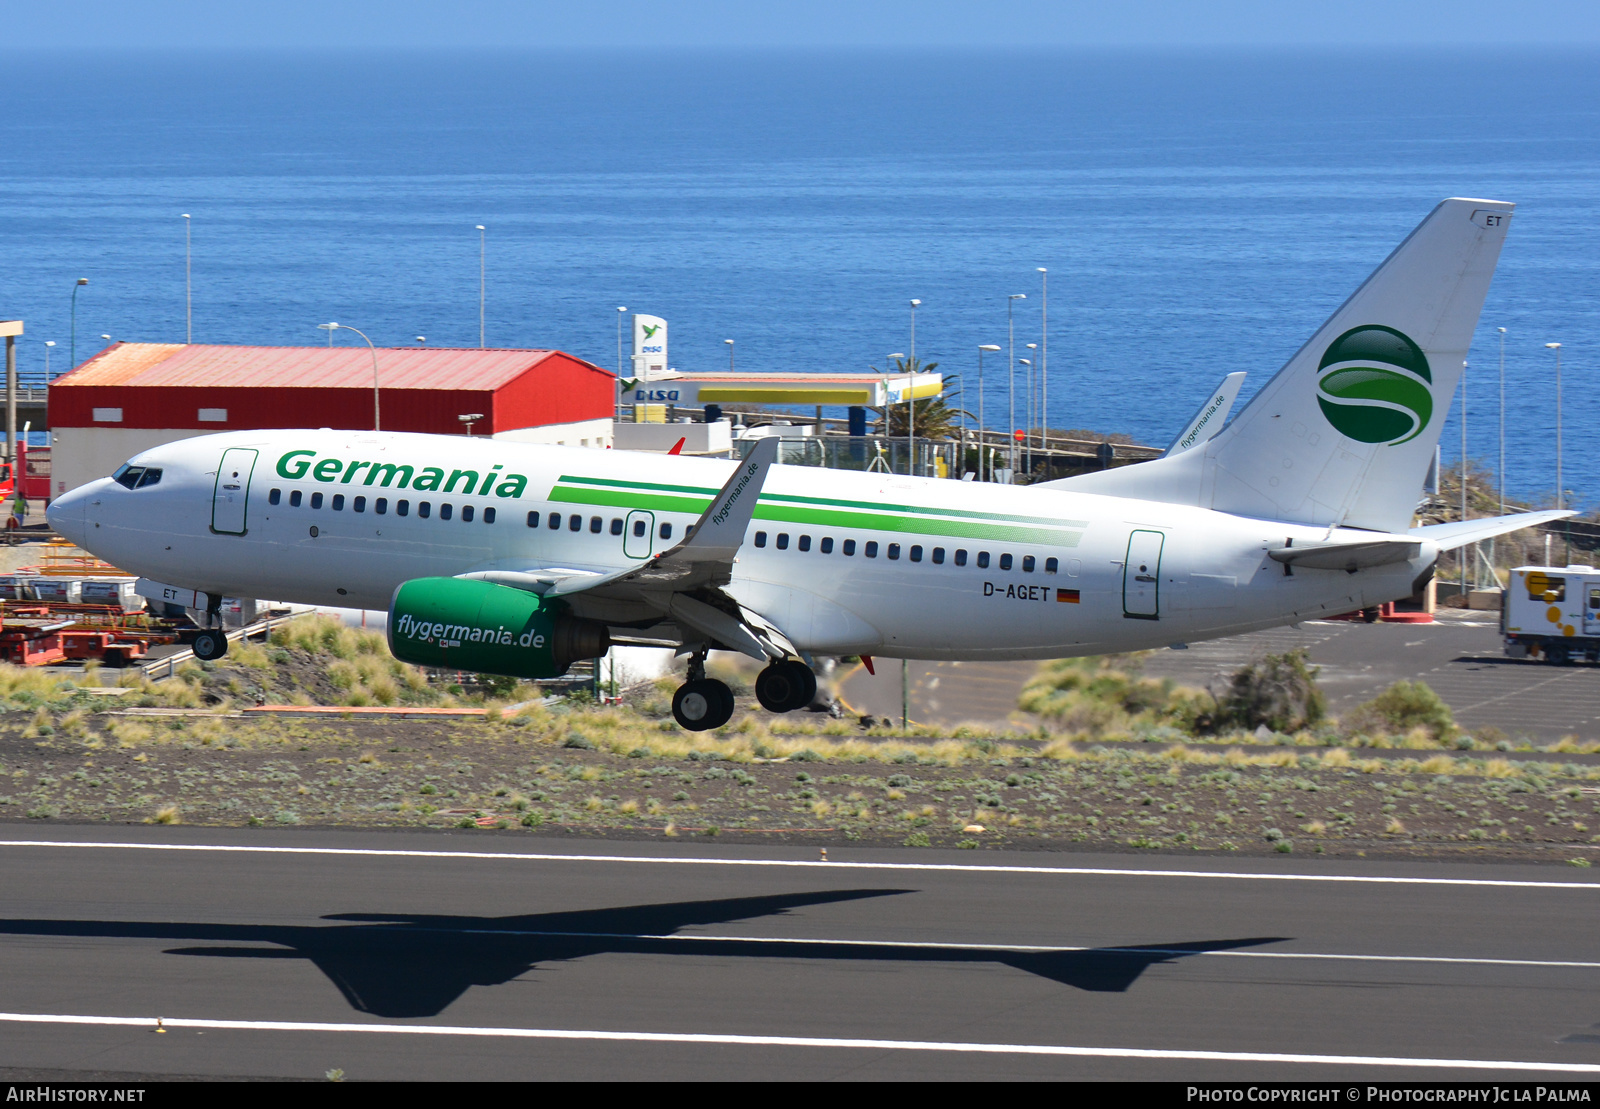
<point x="786" y="685"/>
<point x="701" y="703"/>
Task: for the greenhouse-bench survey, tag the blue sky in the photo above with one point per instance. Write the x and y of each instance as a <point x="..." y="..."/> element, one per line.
<point x="525" y="24"/>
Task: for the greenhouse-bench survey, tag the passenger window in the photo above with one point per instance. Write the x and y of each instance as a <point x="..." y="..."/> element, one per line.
<point x="381" y="505"/>
<point x="961" y="556"/>
<point x="938" y="556"/>
<point x="783" y="541"/>
<point x="294" y="499"/>
<point x="805" y="543"/>
<point x="574" y="522"/>
<point x="1051" y="565"/>
<point x="488" y="515"/>
<point x="761" y="539"/>
<point x="616" y="525"/>
<point x="1027" y="564"/>
<point x="316" y="500"/>
<point x="639" y="529"/>
<point x="827" y="544"/>
<point x="666" y="531"/>
<point x="338" y="502"/>
<point x="424" y="509"/>
<point x="401" y="508"/>
<point x="1005" y="562"/>
<point x="688" y="532"/>
<point x="849" y="547"/>
<point x="894" y="551"/>
<point x="871" y="550"/>
<point x="555" y="521"/>
<point x="467" y="512"/>
<point x="359" y="504"/>
<point x="596" y="525"/>
<point x="916" y="552"/>
<point x="445" y="512"/>
<point x="275" y="496"/>
<point x="533" y="519"/>
<point x="983" y="560"/>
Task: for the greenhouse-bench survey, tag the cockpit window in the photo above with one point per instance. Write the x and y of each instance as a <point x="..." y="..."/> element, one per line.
<point x="137" y="477"/>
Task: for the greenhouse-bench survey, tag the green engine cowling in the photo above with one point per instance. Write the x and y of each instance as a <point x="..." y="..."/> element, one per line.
<point x="459" y="624"/>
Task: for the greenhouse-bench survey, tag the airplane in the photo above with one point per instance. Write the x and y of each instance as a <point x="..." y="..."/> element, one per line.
<point x="518" y="559"/>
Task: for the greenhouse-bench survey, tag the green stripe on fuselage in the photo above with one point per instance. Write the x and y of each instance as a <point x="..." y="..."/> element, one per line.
<point x="822" y="516"/>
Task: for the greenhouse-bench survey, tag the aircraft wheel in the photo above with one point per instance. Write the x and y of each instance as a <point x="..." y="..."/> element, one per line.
<point x="210" y="645"/>
<point x="785" y="686"/>
<point x="702" y="705"/>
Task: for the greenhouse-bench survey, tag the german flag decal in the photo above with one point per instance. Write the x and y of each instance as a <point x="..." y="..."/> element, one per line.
<point x="1067" y="596"/>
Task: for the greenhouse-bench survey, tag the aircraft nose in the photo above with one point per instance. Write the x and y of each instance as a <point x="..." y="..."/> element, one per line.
<point x="68" y="515"/>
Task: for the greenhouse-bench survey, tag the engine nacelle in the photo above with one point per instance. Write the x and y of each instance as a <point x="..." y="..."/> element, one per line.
<point x="460" y="624"/>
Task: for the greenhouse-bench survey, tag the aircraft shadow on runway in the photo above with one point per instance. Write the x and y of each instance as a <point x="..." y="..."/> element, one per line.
<point x="413" y="965"/>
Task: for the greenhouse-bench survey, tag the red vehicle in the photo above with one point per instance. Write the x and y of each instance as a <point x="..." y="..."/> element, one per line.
<point x="34" y="463"/>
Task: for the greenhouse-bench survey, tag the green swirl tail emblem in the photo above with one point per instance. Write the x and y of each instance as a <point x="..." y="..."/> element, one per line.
<point x="1375" y="386"/>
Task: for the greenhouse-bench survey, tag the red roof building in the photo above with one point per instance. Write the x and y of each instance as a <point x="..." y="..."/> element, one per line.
<point x="132" y="396"/>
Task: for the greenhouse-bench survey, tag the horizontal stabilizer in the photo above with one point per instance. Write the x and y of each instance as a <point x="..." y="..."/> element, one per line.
<point x="1349" y="557"/>
<point x="1459" y="534"/>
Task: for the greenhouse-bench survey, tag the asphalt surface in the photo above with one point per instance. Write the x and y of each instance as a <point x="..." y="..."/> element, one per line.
<point x="1459" y="656"/>
<point x="421" y="965"/>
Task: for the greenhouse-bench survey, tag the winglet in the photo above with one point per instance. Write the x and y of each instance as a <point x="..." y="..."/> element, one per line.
<point x="678" y="446"/>
<point x="1211" y="416"/>
<point x="720" y="530"/>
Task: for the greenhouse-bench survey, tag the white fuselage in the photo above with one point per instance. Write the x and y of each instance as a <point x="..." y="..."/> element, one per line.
<point x="935" y="569"/>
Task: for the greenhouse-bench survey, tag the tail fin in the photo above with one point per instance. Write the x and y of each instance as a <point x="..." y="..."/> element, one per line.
<point x="1344" y="433"/>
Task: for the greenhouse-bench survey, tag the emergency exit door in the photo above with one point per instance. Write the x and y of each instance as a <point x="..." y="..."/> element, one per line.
<point x="228" y="498"/>
<point x="1141" y="576"/>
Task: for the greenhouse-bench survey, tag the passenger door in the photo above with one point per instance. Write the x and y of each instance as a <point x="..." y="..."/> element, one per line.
<point x="228" y="498"/>
<point x="1141" y="576"/>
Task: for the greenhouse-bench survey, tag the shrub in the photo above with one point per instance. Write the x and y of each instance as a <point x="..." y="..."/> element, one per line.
<point x="1400" y="708"/>
<point x="1277" y="691"/>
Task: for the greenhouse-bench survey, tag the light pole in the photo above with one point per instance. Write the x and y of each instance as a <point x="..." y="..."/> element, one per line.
<point x="730" y="354"/>
<point x="1011" y="372"/>
<point x="1044" y="359"/>
<point x="1031" y="418"/>
<point x="188" y="286"/>
<point x="82" y="281"/>
<point x="983" y="430"/>
<point x="911" y="397"/>
<point x="330" y="328"/>
<point x="1474" y="546"/>
<point x="1560" y="493"/>
<point x="1502" y="421"/>
<point x="616" y="400"/>
<point x="482" y="289"/>
<point x="48" y="343"/>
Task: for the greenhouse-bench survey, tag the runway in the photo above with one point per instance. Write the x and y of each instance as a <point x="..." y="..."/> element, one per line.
<point x="411" y="957"/>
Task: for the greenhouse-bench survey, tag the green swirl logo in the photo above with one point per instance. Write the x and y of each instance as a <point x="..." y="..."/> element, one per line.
<point x="1375" y="386"/>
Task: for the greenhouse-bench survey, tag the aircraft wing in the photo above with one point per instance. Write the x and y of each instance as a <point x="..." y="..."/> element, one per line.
<point x="1461" y="532"/>
<point x="684" y="583"/>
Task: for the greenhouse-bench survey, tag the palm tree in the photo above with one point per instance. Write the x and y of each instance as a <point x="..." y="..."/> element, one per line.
<point x="935" y="419"/>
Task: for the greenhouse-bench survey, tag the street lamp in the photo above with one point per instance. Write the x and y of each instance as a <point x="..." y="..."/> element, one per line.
<point x="1044" y="358"/>
<point x="74" y="347"/>
<point x="469" y="419"/>
<point x="330" y="328"/>
<point x="48" y="343"/>
<point x="983" y="429"/>
<point x="1560" y="496"/>
<point x="730" y="354"/>
<point x="1502" y="422"/>
<point x="481" y="287"/>
<point x="422" y="338"/>
<point x="188" y="287"/>
<point x="1011" y="372"/>
<point x="1032" y="410"/>
<point x="616" y="400"/>
<point x="911" y="397"/>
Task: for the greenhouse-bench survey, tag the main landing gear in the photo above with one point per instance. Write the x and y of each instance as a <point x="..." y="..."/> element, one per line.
<point x="785" y="686"/>
<point x="701" y="703"/>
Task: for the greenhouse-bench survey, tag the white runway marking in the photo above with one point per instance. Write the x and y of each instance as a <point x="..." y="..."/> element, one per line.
<point x="963" y="868"/>
<point x="813" y="1041"/>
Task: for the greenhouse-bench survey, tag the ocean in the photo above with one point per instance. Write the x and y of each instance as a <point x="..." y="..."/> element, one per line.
<point x="1198" y="212"/>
